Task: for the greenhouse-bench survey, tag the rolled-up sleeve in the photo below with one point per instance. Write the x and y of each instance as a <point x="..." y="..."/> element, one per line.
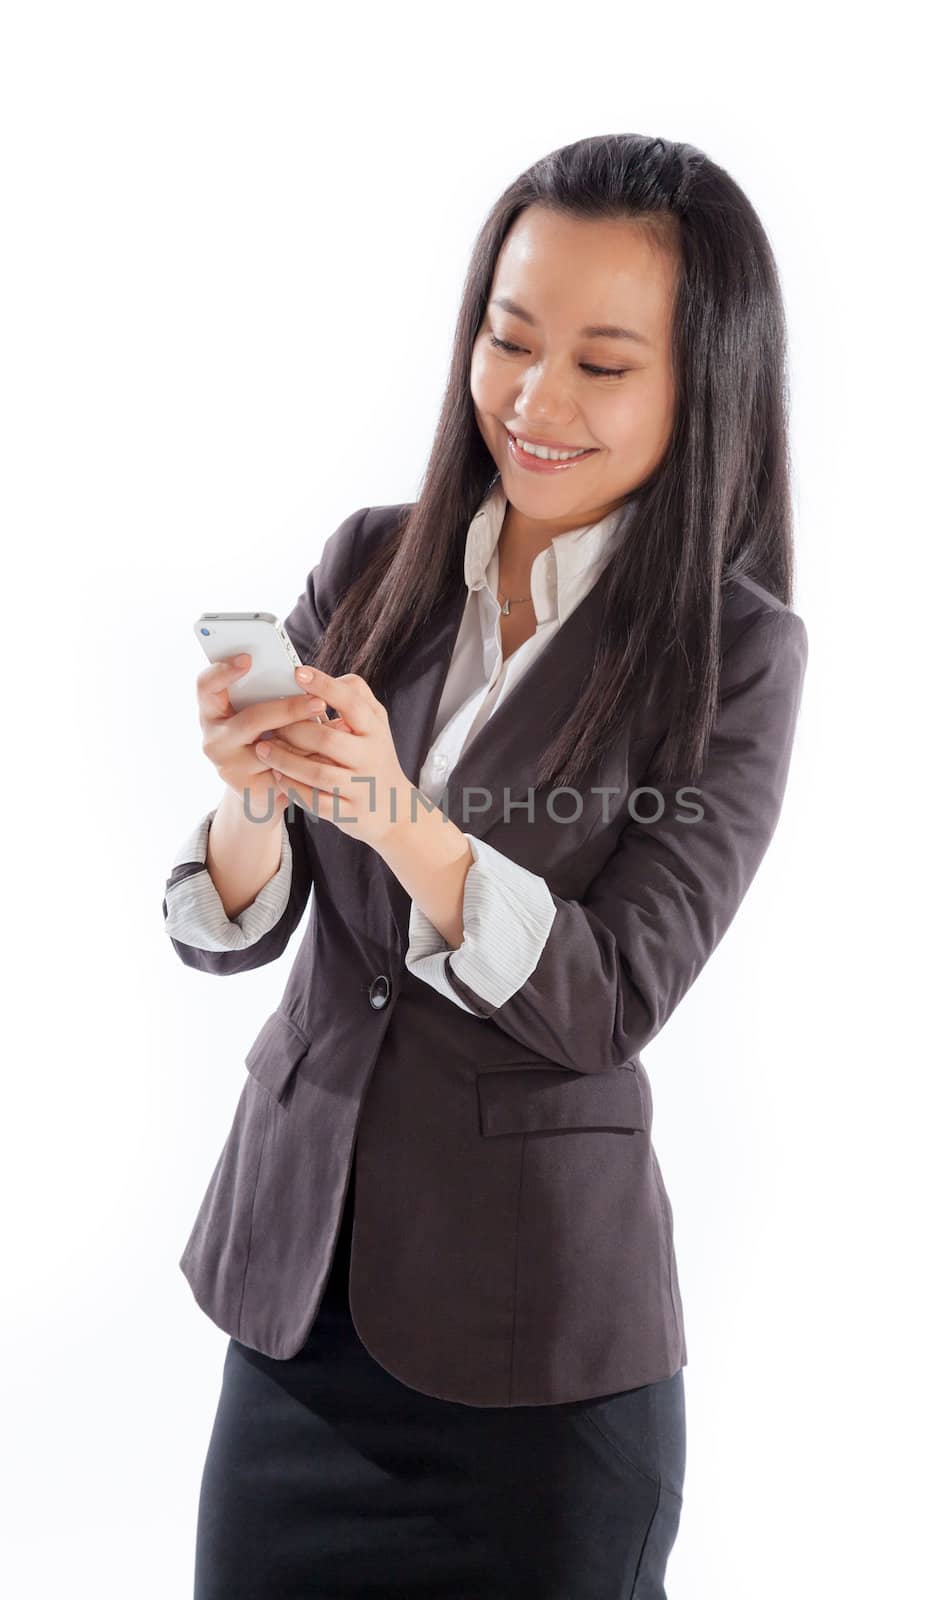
<point x="507" y="916"/>
<point x="617" y="962"/>
<point x="194" y="912"/>
<point x="203" y="935"/>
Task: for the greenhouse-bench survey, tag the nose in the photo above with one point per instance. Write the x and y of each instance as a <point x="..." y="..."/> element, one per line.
<point x="542" y="403"/>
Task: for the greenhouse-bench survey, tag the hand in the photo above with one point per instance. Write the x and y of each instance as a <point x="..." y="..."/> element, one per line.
<point x="352" y="776"/>
<point x="229" y="736"/>
<point x="301" y="736"/>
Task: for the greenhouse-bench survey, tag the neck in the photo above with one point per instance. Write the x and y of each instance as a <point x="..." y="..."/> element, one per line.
<point x="521" y="540"/>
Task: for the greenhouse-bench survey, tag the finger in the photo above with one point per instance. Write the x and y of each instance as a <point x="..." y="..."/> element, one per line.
<point x="332" y="741"/>
<point x="212" y="693"/>
<point x="292" y="790"/>
<point x="320" y="803"/>
<point x="349" y="694"/>
<point x="296" y="793"/>
<point x="219" y="674"/>
<point x="308" y="687"/>
<point x="304" y="737"/>
<point x="251" y="721"/>
<point x="304" y="769"/>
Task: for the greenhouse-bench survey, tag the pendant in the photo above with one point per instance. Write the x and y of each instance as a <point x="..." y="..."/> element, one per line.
<point x="504" y="608"/>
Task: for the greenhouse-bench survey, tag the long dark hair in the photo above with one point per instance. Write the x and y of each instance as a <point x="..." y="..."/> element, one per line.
<point x="718" y="505"/>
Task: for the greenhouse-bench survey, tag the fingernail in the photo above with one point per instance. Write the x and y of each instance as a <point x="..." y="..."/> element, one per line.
<point x="240" y="661"/>
<point x="305" y="674"/>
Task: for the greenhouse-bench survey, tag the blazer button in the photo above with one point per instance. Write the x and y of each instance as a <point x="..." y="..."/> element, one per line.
<point x="379" y="991"/>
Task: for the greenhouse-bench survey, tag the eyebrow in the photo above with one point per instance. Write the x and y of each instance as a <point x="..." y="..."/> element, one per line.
<point x="604" y="330"/>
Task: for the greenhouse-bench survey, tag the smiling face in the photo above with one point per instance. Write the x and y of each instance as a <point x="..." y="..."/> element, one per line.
<point x="557" y="277"/>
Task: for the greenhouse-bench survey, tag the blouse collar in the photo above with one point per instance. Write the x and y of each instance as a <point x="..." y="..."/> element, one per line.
<point x="572" y="562"/>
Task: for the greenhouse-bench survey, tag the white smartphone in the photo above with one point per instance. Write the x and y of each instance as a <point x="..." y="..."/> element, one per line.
<point x="223" y="634"/>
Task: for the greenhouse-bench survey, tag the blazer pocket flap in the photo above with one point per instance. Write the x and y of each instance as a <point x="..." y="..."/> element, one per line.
<point x="539" y="1099"/>
<point x="276" y="1051"/>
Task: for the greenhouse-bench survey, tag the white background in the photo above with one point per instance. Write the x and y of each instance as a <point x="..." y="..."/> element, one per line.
<point x="235" y="237"/>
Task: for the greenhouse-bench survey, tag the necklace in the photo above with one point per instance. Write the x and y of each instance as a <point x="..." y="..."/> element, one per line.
<point x="515" y="601"/>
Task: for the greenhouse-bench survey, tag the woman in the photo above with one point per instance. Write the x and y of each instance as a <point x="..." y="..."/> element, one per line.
<point x="565" y="700"/>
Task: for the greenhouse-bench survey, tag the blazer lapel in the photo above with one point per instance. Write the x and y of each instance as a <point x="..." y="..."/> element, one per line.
<point x="499" y="763"/>
<point x="414" y="696"/>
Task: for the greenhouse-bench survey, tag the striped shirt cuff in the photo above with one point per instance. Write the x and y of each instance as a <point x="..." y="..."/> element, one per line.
<point x="507" y="916"/>
<point x="194" y="911"/>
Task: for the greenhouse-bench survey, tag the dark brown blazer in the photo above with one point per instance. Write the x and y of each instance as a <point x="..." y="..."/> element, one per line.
<point x="513" y="1239"/>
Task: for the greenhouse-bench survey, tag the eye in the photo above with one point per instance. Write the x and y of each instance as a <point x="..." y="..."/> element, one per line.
<point x="595" y="372"/>
<point x="605" y="372"/>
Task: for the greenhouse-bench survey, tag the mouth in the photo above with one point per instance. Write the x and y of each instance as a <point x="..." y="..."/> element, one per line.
<point x="542" y="455"/>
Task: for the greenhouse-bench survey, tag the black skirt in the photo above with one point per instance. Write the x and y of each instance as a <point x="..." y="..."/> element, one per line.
<point x="326" y="1476"/>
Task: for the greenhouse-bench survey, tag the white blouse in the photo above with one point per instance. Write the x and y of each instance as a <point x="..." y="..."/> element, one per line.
<point x="507" y="910"/>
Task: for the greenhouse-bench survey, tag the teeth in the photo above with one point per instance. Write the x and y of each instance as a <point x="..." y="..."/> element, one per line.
<point x="548" y="455"/>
